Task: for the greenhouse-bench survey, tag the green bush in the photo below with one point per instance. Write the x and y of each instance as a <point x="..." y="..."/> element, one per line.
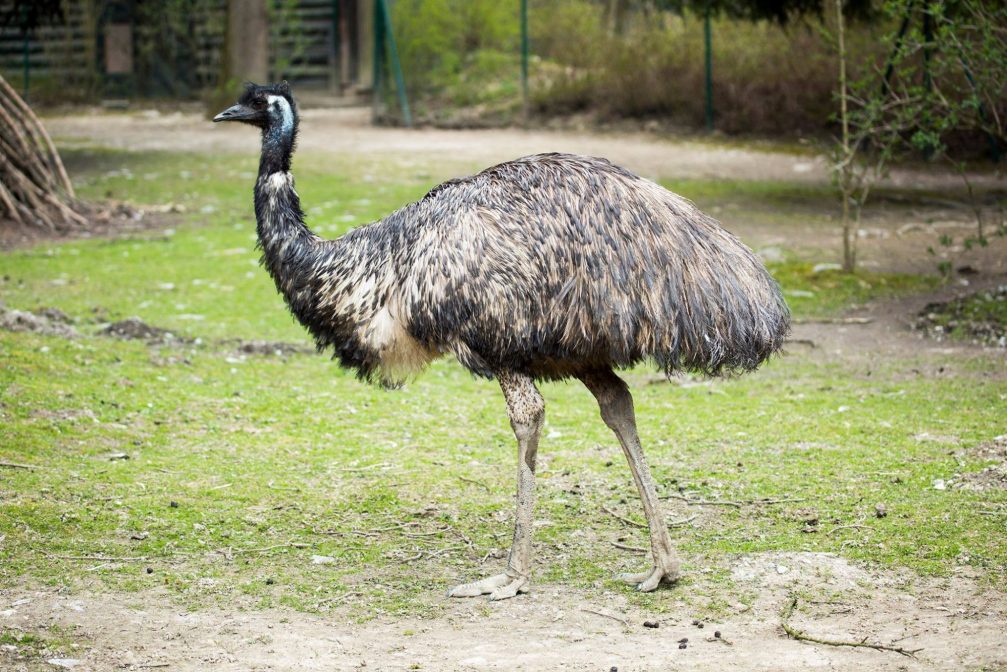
<point x="767" y="78"/>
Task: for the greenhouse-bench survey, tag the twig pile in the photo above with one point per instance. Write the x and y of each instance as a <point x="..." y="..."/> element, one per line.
<point x="34" y="187"/>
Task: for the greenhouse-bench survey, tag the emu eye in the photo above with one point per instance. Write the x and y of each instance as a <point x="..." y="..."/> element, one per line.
<point x="259" y="103"/>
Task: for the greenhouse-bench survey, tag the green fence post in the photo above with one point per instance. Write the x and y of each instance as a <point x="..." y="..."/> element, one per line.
<point x="708" y="41"/>
<point x="524" y="56"/>
<point x="400" y="83"/>
<point x="379" y="57"/>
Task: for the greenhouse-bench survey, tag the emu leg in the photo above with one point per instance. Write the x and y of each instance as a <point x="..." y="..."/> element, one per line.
<point x="616" y="405"/>
<point x="527" y="411"/>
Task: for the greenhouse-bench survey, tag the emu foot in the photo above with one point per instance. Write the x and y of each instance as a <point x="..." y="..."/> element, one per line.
<point x="646" y="582"/>
<point x="498" y="587"/>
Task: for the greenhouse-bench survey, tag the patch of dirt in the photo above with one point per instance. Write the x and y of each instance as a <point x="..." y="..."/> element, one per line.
<point x="104" y="220"/>
<point x="348" y="130"/>
<point x="54" y="322"/>
<point x="133" y="328"/>
<point x="993" y="476"/>
<point x="276" y="348"/>
<point x="47" y="321"/>
<point x="957" y="622"/>
<point x="974" y="317"/>
<point x="884" y="330"/>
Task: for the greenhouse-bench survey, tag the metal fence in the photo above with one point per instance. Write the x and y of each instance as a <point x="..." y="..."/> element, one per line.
<point x="173" y="49"/>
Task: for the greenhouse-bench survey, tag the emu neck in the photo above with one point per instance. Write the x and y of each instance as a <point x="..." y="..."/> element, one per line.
<point x="289" y="248"/>
<point x="277" y="148"/>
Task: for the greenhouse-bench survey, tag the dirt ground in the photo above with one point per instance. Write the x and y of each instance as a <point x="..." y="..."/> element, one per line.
<point x="343" y="131"/>
<point x="957" y="622"/>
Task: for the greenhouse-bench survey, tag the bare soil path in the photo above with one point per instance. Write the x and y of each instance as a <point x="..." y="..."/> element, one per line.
<point x="957" y="624"/>
<point x="349" y="131"/>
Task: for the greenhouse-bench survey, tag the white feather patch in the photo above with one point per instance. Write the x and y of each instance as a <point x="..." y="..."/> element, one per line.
<point x="281" y="104"/>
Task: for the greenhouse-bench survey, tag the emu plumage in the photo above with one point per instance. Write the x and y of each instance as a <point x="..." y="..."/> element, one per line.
<point x="547" y="267"/>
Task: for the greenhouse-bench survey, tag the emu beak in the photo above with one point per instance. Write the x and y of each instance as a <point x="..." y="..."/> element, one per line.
<point x="237" y="112"/>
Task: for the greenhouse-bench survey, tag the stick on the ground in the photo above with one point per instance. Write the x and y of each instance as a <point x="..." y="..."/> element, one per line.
<point x="628" y="521"/>
<point x="735" y="504"/>
<point x="635" y="549"/>
<point x="850" y="527"/>
<point x="835" y="320"/>
<point x="702" y="502"/>
<point x="17" y="465"/>
<point x="266" y="549"/>
<point x="799" y="635"/>
<point x="475" y="482"/>
<point x="368" y="467"/>
<point x="98" y="558"/>
<point x="603" y="614"/>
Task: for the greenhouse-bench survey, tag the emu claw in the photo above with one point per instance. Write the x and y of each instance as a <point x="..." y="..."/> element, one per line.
<point x="499" y="587"/>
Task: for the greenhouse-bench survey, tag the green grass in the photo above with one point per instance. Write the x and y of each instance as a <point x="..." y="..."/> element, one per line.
<point x="270" y="461"/>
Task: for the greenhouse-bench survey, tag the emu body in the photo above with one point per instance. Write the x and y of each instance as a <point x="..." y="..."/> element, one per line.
<point x="547" y="267"/>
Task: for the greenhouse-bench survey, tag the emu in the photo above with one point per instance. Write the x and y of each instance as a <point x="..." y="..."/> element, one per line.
<point x="547" y="267"/>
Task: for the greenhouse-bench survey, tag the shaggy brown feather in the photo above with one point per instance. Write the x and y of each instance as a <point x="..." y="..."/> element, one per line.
<point x="551" y="265"/>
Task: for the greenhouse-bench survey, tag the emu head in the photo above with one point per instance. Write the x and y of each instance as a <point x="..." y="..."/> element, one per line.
<point x="265" y="106"/>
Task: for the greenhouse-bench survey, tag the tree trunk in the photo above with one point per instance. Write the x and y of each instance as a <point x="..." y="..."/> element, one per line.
<point x="245" y="53"/>
<point x="846" y="166"/>
<point x="247" y="41"/>
<point x="34" y="187"/>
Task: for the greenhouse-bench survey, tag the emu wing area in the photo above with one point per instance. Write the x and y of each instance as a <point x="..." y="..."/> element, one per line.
<point x="555" y="264"/>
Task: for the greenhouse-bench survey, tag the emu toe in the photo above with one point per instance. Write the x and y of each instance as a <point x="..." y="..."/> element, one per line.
<point x="499" y="587"/>
<point x="646" y="582"/>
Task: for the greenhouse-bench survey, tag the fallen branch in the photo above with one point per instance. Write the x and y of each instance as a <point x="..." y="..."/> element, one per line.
<point x="850" y="527"/>
<point x="475" y="482"/>
<point x="801" y="636"/>
<point x="628" y="521"/>
<point x="376" y="465"/>
<point x="835" y="320"/>
<point x="98" y="558"/>
<point x="17" y="465"/>
<point x="702" y="502"/>
<point x="266" y="549"/>
<point x="735" y="504"/>
<point x="604" y="615"/>
<point x="802" y="341"/>
<point x="339" y="598"/>
<point x="634" y="549"/>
